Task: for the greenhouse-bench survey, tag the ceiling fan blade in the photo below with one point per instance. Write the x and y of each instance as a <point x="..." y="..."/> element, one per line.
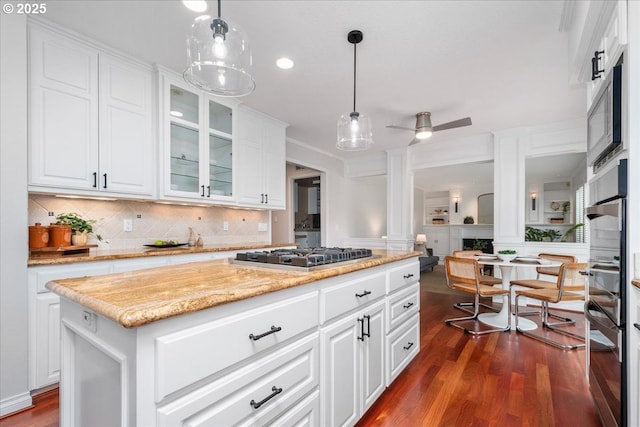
<point x="454" y="124"/>
<point x="415" y="141"/>
<point x="399" y="127"/>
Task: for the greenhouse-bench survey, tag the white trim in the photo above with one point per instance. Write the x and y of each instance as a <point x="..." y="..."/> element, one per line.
<point x="15" y="403"/>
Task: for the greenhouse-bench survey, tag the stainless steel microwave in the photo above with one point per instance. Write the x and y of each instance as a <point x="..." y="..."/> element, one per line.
<point x="604" y="120"/>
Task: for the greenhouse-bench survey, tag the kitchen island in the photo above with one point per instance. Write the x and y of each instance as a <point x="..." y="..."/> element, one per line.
<point x="214" y="343"/>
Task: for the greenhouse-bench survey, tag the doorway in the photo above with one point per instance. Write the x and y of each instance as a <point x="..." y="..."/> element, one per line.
<point x="307" y="212"/>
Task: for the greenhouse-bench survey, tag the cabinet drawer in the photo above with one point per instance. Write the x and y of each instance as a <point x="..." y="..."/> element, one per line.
<point x="402" y="345"/>
<point x="304" y="414"/>
<point x="227" y="401"/>
<point x="343" y="298"/>
<point x="216" y="345"/>
<point x="404" y="275"/>
<point x="402" y="305"/>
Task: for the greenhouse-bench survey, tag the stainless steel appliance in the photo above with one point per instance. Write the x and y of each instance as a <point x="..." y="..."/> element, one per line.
<point x="303" y="259"/>
<point x="605" y="308"/>
<point x="604" y="120"/>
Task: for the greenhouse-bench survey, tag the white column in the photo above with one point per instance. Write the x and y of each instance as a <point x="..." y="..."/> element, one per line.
<point x="399" y="201"/>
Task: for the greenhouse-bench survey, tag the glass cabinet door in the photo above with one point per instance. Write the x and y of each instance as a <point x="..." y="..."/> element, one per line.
<point x="185" y="140"/>
<point x="220" y="150"/>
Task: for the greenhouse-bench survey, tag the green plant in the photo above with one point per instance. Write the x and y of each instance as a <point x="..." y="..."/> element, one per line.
<point x="565" y="207"/>
<point x="571" y="231"/>
<point x="77" y="224"/>
<point x="468" y="220"/>
<point x="478" y="245"/>
<point x="532" y="234"/>
<point x="507" y="252"/>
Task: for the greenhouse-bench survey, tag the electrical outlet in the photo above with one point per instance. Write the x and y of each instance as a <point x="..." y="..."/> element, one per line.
<point x="89" y="320"/>
<point x="263" y="226"/>
<point x="225" y="225"/>
<point x="127" y="225"/>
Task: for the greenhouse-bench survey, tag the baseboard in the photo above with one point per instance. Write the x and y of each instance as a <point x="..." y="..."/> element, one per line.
<point x="14" y="404"/>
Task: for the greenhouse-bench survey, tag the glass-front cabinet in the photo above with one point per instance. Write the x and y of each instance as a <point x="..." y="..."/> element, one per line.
<point x="198" y="162"/>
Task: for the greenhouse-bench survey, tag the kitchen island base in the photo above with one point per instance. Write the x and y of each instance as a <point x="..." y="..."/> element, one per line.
<point x="268" y="359"/>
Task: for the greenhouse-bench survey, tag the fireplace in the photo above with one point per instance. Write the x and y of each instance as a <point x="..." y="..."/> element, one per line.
<point x="485" y="245"/>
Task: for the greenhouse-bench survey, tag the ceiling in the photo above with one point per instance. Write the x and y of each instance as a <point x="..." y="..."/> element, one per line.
<point x="503" y="63"/>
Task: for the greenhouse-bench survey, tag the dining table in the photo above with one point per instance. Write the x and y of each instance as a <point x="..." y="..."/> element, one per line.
<point x="501" y="318"/>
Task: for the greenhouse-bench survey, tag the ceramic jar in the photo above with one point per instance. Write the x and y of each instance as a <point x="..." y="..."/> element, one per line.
<point x="38" y="236"/>
<point x="79" y="239"/>
<point x="59" y="235"/>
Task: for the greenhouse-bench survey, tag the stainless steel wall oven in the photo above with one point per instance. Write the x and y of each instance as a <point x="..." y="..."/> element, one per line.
<point x="605" y="308"/>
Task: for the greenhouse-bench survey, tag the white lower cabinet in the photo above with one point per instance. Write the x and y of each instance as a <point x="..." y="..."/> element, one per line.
<point x="353" y="361"/>
<point x="402" y="346"/>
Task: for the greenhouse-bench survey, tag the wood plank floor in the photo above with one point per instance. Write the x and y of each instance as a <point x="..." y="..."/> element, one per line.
<point x="500" y="379"/>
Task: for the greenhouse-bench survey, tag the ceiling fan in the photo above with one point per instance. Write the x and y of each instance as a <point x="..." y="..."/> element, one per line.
<point x="423" y="129"/>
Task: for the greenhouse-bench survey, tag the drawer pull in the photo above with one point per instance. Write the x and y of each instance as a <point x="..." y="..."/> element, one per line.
<point x="408" y="305"/>
<point x="273" y="330"/>
<point x="409" y="346"/>
<point x="276" y="391"/>
<point x="364" y="294"/>
<point x="637" y="326"/>
<point x="408" y="276"/>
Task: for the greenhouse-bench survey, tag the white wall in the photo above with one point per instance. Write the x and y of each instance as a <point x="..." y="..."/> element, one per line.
<point x="14" y="393"/>
<point x="418" y="210"/>
<point x="366" y="209"/>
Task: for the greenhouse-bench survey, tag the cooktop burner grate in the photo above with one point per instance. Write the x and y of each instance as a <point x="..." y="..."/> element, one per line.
<point x="304" y="259"/>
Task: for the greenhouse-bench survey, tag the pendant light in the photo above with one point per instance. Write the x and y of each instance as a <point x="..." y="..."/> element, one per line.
<point x="354" y="129"/>
<point x="219" y="57"/>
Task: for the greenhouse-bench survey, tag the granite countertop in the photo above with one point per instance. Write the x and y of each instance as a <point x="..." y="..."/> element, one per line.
<point x="636" y="283"/>
<point x="140" y="297"/>
<point x="109" y="254"/>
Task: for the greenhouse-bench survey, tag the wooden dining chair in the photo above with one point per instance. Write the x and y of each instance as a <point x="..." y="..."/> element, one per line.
<point x="570" y="286"/>
<point x="484" y="279"/>
<point x="551" y="275"/>
<point x="463" y="274"/>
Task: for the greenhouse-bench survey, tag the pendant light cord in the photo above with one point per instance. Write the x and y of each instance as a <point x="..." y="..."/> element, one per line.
<point x="219" y="9"/>
<point x="354" y="76"/>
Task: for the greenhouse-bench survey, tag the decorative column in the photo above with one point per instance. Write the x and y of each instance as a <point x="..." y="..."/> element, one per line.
<point x="399" y="201"/>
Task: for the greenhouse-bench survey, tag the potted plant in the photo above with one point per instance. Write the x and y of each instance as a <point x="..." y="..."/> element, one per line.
<point x="507" y="254"/>
<point x="79" y="227"/>
<point x="468" y="220"/>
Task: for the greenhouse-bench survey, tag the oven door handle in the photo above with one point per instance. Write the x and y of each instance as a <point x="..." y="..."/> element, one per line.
<point x="610" y="209"/>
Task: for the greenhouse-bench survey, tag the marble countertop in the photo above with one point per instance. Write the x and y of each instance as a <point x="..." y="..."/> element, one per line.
<point x="140" y="297"/>
<point x="107" y="254"/>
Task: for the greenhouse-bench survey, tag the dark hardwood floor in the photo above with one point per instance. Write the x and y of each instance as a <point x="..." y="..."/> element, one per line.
<point x="500" y="379"/>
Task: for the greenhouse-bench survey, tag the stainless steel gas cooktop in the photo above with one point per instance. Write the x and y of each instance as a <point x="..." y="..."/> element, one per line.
<point x="303" y="259"/>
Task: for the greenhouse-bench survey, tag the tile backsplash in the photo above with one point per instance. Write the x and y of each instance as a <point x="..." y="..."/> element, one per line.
<point x="154" y="221"/>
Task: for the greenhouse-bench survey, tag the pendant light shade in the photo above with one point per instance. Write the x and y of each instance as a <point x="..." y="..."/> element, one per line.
<point x="219" y="57"/>
<point x="354" y="129"/>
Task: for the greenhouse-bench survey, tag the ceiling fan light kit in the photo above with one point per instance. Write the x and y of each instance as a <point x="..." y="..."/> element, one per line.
<point x="424" y="129"/>
<point x="354" y="129"/>
<point x="219" y="57"/>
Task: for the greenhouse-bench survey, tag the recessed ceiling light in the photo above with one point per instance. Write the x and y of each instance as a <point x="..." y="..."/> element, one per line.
<point x="176" y="113"/>
<point x="195" y="5"/>
<point x="284" y="63"/>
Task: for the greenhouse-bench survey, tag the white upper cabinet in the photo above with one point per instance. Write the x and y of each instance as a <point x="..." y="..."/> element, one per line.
<point x="198" y="143"/>
<point x="91" y="119"/>
<point x="261" y="160"/>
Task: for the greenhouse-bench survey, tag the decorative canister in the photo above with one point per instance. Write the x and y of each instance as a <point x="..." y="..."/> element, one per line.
<point x="59" y="235"/>
<point x="38" y="236"/>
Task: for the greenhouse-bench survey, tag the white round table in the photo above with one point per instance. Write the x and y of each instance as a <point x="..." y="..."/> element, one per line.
<point x="500" y="319"/>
